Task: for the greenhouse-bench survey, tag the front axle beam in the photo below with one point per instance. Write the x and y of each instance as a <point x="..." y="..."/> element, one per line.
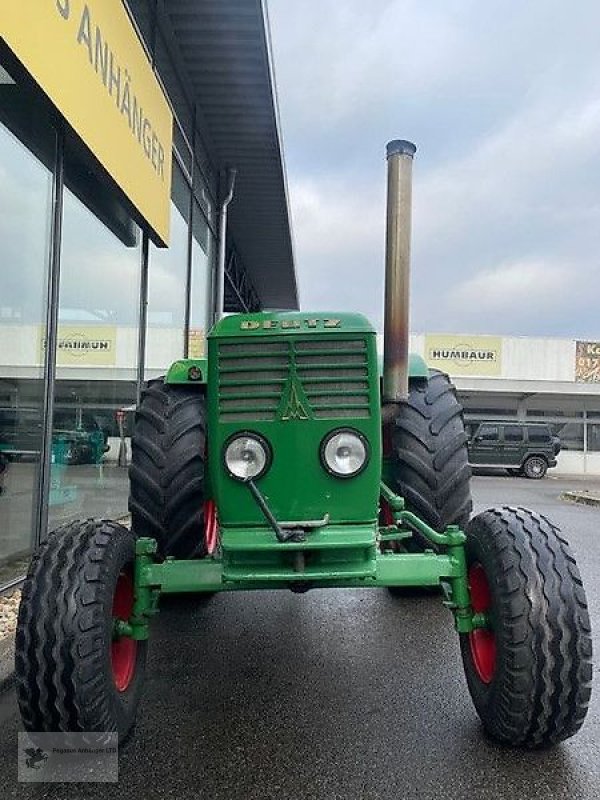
<point x="445" y="567"/>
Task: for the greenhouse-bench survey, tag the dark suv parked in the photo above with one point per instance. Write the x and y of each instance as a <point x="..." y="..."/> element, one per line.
<point x="524" y="448"/>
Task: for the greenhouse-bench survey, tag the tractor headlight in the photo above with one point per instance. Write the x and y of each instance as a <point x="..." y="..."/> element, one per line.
<point x="344" y="452"/>
<point x="247" y="456"/>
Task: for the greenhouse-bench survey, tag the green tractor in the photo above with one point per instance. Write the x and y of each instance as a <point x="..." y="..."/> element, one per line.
<point x="286" y="460"/>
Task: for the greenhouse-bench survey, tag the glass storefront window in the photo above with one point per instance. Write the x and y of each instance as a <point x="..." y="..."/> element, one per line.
<point x="25" y="215"/>
<point x="202" y="255"/>
<point x="204" y="199"/>
<point x="544" y="413"/>
<point x="96" y="353"/>
<point x="593" y="437"/>
<point x="167" y="278"/>
<point x="570" y="435"/>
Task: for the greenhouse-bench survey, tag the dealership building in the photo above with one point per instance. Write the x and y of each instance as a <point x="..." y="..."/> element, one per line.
<point x="556" y="381"/>
<point x="124" y="128"/>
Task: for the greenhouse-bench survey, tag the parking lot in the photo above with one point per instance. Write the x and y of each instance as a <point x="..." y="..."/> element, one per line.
<point x="332" y="694"/>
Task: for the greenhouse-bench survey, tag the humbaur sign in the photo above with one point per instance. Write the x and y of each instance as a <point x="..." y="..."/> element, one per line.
<point x="464" y="354"/>
<point x="87" y="57"/>
<point x="84" y="346"/>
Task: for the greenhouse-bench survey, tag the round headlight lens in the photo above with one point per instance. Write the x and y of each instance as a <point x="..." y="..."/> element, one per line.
<point x="344" y="453"/>
<point x="247" y="456"/>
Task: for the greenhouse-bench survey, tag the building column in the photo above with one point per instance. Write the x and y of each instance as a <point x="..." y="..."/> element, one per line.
<point x="585" y="440"/>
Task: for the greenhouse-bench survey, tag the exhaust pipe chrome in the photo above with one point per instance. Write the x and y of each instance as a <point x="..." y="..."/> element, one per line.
<point x="219" y="299"/>
<point x="397" y="270"/>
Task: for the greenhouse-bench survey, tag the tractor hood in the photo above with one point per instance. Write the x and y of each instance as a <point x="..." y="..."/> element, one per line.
<point x="284" y="322"/>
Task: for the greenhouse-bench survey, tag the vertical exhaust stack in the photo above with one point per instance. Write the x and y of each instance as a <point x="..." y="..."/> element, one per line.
<point x="397" y="270"/>
<point x="219" y="309"/>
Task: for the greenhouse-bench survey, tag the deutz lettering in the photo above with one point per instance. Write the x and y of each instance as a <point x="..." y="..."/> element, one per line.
<point x="286" y="324"/>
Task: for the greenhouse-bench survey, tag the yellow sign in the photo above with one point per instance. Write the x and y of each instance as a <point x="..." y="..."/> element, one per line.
<point x="587" y="362"/>
<point x="87" y="58"/>
<point x="463" y="354"/>
<point x="196" y="343"/>
<point x="84" y="345"/>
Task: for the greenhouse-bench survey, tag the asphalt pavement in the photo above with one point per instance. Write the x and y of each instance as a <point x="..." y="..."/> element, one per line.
<point x="332" y="694"/>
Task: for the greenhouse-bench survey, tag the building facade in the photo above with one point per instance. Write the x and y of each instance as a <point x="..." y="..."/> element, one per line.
<point x="537" y="379"/>
<point x="120" y="126"/>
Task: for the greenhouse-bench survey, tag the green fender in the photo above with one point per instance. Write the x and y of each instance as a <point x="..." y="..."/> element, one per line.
<point x="188" y="370"/>
<point x="417" y="368"/>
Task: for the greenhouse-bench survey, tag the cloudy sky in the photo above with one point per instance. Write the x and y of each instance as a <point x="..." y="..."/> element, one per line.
<point x="503" y="102"/>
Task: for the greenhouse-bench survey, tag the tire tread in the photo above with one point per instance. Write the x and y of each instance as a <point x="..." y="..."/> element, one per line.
<point x="430" y="462"/>
<point x="543" y="688"/>
<point x="60" y="640"/>
<point x="167" y="470"/>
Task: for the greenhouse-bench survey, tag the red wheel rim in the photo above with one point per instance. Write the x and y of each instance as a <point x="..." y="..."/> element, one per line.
<point x="211" y="526"/>
<point x="387" y="518"/>
<point x="482" y="641"/>
<point x="123" y="651"/>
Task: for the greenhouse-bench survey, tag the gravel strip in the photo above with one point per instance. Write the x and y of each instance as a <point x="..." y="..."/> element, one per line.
<point x="9" y="608"/>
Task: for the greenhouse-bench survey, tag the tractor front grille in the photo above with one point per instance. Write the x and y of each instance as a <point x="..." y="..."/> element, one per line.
<point x="334" y="376"/>
<point x="254" y="375"/>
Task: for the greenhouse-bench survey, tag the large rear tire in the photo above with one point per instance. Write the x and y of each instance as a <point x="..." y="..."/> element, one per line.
<point x="167" y="469"/>
<point x="530" y="672"/>
<point x="430" y="464"/>
<point x="71" y="675"/>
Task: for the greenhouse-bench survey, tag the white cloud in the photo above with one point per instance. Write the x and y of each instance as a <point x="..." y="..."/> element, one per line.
<point x="334" y="216"/>
<point x="512" y="288"/>
<point x="339" y="60"/>
<point x="504" y="109"/>
<point x="522" y="169"/>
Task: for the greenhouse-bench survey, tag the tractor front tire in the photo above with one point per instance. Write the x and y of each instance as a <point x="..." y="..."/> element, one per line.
<point x="430" y="465"/>
<point x="167" y="469"/>
<point x="529" y="672"/>
<point x="71" y="675"/>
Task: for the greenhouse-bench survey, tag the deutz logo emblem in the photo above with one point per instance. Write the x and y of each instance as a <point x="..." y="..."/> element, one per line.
<point x="295" y="406"/>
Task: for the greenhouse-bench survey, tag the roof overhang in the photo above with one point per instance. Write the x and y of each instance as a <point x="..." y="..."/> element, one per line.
<point x="519" y="386"/>
<point x="225" y="49"/>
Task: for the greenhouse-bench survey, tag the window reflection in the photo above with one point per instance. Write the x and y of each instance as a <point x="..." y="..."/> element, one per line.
<point x="96" y="359"/>
<point x="25" y="207"/>
<point x="202" y="251"/>
<point x="167" y="276"/>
